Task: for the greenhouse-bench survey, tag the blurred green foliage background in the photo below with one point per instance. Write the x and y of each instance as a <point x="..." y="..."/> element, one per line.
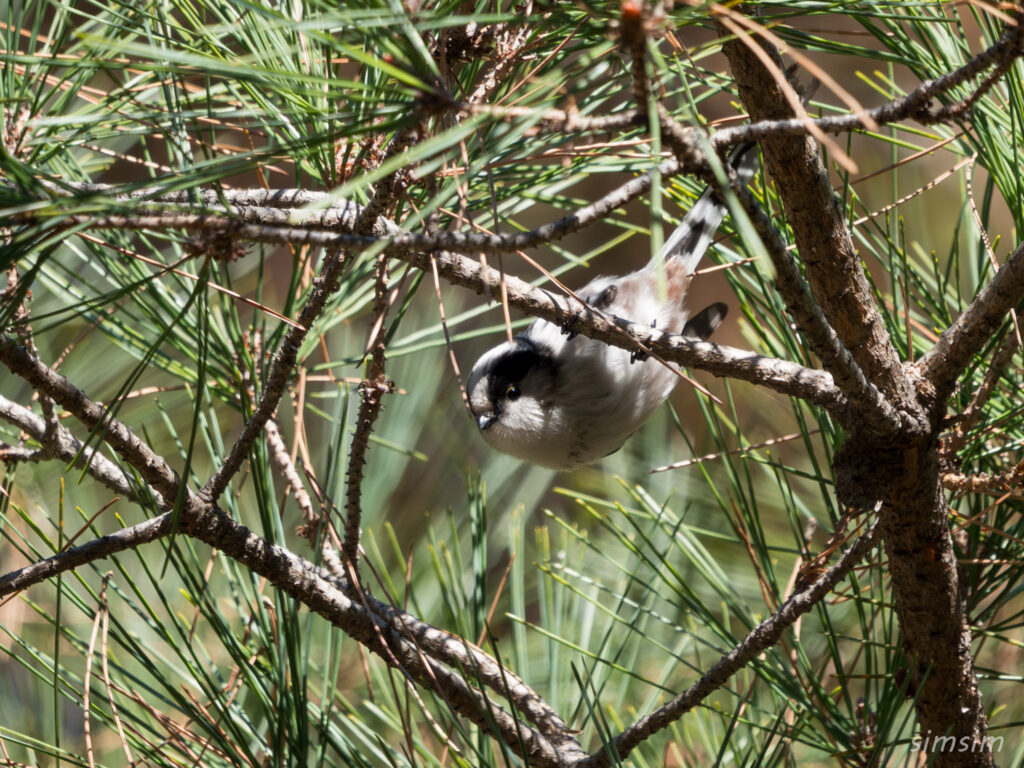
<point x="608" y="590"/>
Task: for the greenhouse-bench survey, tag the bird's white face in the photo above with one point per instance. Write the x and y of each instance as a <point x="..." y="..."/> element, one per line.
<point x="512" y="393"/>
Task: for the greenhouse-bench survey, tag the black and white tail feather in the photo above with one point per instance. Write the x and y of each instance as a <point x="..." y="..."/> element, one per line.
<point x="565" y="401"/>
<point x="692" y="238"/>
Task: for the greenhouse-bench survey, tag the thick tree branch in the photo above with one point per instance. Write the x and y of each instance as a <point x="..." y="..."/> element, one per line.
<point x="877" y="413"/>
<point x="953" y="352"/>
<point x="901" y="470"/>
<point x="832" y="266"/>
<point x="930" y="602"/>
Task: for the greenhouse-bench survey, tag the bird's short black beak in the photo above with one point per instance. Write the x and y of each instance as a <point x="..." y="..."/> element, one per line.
<point x="484" y="420"/>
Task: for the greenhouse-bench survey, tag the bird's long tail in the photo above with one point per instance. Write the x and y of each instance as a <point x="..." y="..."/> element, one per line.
<point x="693" y="236"/>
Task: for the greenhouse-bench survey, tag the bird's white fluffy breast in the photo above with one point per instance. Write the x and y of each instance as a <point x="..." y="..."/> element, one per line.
<point x="583" y="398"/>
<point x="608" y="397"/>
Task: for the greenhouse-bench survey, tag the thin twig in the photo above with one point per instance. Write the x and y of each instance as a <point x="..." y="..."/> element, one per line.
<point x="988" y="242"/>
<point x="270" y="229"/>
<point x="87" y="677"/>
<point x="104" y="655"/>
<point x="557" y="121"/>
<point x="782" y="376"/>
<point x="633" y="37"/>
<point x="371" y="395"/>
<point x="324" y="286"/>
<point x="152" y="467"/>
<point x="511" y="45"/>
<point x="763" y="636"/>
<point x="66" y="447"/>
<point x="1004" y="482"/>
<point x="732" y="452"/>
<point x="373" y="388"/>
<point x="97" y="549"/>
<point x="315" y="523"/>
<point x="447" y="337"/>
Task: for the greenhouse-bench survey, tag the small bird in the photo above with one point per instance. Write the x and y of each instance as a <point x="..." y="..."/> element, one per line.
<point x="563" y="401"/>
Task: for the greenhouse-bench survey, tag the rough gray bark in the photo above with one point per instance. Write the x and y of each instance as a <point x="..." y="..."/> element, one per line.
<point x="899" y="469"/>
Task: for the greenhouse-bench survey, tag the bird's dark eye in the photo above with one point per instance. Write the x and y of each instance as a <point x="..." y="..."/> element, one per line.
<point x="512" y="392"/>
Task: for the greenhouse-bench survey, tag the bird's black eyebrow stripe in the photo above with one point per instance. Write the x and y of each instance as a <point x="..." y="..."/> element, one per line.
<point x="513" y="367"/>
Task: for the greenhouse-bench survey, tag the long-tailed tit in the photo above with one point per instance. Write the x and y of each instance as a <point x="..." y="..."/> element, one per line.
<point x="563" y="401"/>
